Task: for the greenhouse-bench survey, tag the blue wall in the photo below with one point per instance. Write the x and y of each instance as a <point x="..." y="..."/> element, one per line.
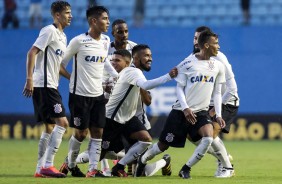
<point x="254" y="53"/>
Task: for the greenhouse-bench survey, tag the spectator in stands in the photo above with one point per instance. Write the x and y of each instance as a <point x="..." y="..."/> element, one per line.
<point x="139" y="12"/>
<point x="35" y="13"/>
<point x="10" y="14"/>
<point x="92" y="3"/>
<point x="245" y="6"/>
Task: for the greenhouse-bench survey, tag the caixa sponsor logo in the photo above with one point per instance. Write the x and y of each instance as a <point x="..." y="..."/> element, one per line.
<point x="96" y="59"/>
<point x="202" y="78"/>
<point x="59" y="52"/>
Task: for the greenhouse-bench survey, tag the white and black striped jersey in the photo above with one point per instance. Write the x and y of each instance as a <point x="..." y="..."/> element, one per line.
<point x="198" y="78"/>
<point x="52" y="42"/>
<point x="89" y="60"/>
<point x="122" y="104"/>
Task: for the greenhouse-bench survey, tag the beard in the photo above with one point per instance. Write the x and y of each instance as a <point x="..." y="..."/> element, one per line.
<point x="195" y="50"/>
<point x="143" y="66"/>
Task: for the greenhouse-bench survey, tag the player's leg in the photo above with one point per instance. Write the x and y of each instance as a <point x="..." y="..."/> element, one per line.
<point x="54" y="144"/>
<point x="205" y="130"/>
<point x="144" y="140"/>
<point x="51" y="107"/>
<point x="96" y="127"/>
<point x="164" y="164"/>
<point x="42" y="145"/>
<point x="74" y="148"/>
<point x="173" y="134"/>
<point x="133" y="130"/>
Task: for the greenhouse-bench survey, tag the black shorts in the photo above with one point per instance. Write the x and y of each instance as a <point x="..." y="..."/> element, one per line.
<point x="87" y="112"/>
<point x="47" y="103"/>
<point x="177" y="128"/>
<point x="229" y="112"/>
<point x="115" y="132"/>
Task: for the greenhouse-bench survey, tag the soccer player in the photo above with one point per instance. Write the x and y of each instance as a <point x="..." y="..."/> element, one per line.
<point x="230" y="105"/>
<point x="120" y="33"/>
<point x="199" y="76"/>
<point x="43" y="65"/>
<point x="86" y="100"/>
<point x="122" y="105"/>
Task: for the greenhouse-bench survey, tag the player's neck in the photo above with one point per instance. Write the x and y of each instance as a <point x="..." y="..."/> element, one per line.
<point x="58" y="26"/>
<point x="119" y="45"/>
<point x="202" y="55"/>
<point x="94" y="34"/>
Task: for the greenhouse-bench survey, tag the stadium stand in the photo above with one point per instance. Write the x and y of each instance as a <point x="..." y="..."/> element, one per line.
<point x="171" y="12"/>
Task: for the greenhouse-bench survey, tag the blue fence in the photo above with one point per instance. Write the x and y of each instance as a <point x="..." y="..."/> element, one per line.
<point x="254" y="53"/>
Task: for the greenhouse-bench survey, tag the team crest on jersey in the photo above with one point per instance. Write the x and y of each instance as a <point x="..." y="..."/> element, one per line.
<point x="58" y="108"/>
<point x="169" y="137"/>
<point x="211" y="65"/>
<point x="105" y="144"/>
<point x="77" y="121"/>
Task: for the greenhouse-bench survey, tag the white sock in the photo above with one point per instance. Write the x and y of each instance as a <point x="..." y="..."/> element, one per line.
<point x="82" y="158"/>
<point x="42" y="145"/>
<point x="151" y="169"/>
<point x="94" y="153"/>
<point x="134" y="151"/>
<point x="74" y="148"/>
<point x="114" y="156"/>
<point x="200" y="151"/>
<point x="220" y="151"/>
<point x="210" y="150"/>
<point x="151" y="153"/>
<point x="54" y="144"/>
<point x="104" y="164"/>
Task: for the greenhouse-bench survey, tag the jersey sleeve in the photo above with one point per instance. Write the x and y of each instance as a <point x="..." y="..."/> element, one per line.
<point x="228" y="68"/>
<point x="221" y="74"/>
<point x="110" y="69"/>
<point x="181" y="78"/>
<point x="132" y="76"/>
<point x="45" y="37"/>
<point x="72" y="49"/>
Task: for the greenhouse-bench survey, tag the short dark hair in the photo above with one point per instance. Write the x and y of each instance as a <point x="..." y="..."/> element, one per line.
<point x="118" y="21"/>
<point x="123" y="53"/>
<point x="96" y="11"/>
<point x="204" y="37"/>
<point x="139" y="47"/>
<point x="202" y="28"/>
<point x="59" y="6"/>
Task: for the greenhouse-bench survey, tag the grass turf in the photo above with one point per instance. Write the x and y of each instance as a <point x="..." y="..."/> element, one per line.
<point x="254" y="162"/>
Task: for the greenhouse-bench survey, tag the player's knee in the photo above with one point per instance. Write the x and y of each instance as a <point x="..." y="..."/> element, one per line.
<point x="63" y="122"/>
<point x="162" y="146"/>
<point x="80" y="135"/>
<point x="146" y="138"/>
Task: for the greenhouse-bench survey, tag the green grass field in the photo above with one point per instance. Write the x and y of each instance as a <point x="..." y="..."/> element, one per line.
<point x="254" y="162"/>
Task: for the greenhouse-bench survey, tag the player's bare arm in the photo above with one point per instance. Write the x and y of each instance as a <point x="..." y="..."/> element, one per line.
<point x="28" y="88"/>
<point x="64" y="72"/>
<point x="146" y="96"/>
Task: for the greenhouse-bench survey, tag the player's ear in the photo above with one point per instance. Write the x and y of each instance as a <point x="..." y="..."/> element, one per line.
<point x="206" y="45"/>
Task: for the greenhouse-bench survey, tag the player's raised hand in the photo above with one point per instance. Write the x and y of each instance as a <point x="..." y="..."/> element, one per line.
<point x="28" y="88"/>
<point x="190" y="116"/>
<point x="173" y="72"/>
